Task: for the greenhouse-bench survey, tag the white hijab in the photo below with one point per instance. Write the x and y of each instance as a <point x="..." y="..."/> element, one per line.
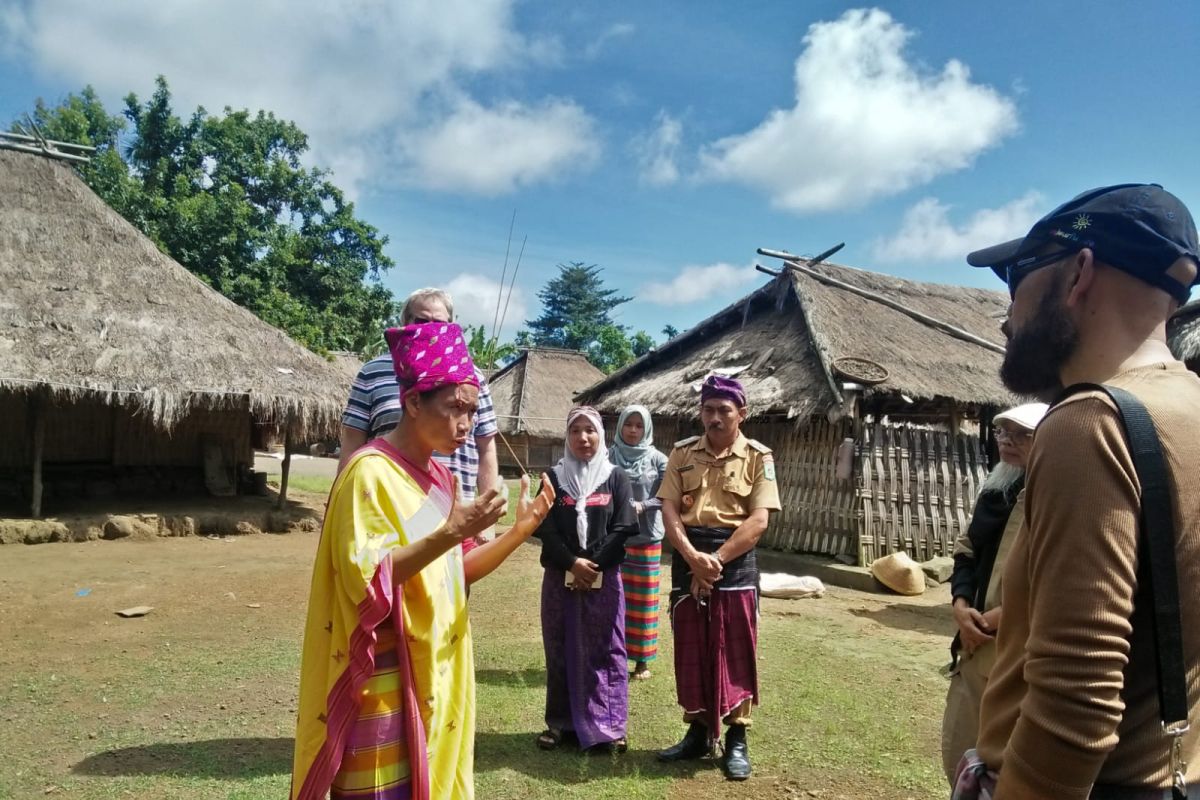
<point x="579" y="478"/>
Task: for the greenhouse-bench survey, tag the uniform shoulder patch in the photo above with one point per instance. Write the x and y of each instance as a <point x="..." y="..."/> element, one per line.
<point x="687" y="441"/>
<point x="759" y="446"/>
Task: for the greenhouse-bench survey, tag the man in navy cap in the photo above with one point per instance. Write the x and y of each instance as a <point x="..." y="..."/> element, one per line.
<point x="717" y="494"/>
<point x="1072" y="705"/>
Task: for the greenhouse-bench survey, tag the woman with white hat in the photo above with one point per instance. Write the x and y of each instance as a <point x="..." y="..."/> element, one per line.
<point x="979" y="556"/>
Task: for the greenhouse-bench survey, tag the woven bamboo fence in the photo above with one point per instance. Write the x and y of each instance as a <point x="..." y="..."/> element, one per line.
<point x="917" y="489"/>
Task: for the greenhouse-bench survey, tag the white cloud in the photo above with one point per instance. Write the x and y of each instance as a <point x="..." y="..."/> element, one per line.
<point x="474" y="298"/>
<point x="354" y="75"/>
<point x="657" y="152"/>
<point x="494" y="150"/>
<point x="866" y="123"/>
<point x="618" y="30"/>
<point x="926" y="233"/>
<point x="696" y="283"/>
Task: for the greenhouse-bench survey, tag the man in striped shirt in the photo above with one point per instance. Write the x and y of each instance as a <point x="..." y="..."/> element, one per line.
<point x="374" y="405"/>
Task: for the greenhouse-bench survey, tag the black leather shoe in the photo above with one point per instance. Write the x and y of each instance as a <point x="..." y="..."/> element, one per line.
<point x="693" y="745"/>
<point x="737" y="754"/>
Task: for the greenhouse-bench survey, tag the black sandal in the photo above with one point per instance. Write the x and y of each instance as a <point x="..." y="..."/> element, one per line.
<point x="549" y="739"/>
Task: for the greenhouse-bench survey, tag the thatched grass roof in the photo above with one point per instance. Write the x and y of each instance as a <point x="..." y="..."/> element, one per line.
<point x="1183" y="333"/>
<point x="91" y="307"/>
<point x="534" y="393"/>
<point x="787" y="333"/>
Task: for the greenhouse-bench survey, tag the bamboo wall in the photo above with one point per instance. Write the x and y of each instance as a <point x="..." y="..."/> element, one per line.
<point x="537" y="454"/>
<point x="917" y="489"/>
<point x="912" y="488"/>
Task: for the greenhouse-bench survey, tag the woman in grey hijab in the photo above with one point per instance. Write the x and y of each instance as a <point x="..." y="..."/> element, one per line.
<point x="634" y="453"/>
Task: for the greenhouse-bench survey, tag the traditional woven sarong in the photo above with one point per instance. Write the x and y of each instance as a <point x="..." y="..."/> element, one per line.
<point x="639" y="575"/>
<point x="716" y="642"/>
<point x="587" y="678"/>
<point x="375" y="763"/>
<point x="363" y="730"/>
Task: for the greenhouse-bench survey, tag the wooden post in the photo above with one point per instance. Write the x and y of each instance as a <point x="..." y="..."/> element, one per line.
<point x="287" y="463"/>
<point x="37" y="410"/>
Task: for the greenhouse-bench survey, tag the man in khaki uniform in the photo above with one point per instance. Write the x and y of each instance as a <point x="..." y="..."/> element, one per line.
<point x="717" y="494"/>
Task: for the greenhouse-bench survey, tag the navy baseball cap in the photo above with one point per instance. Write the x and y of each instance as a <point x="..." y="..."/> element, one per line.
<point x="1139" y="228"/>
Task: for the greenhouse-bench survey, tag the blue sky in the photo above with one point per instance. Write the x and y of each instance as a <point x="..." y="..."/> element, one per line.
<point x="665" y="141"/>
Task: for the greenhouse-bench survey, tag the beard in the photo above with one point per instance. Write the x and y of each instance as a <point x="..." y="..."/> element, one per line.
<point x="1036" y="354"/>
<point x="1002" y="477"/>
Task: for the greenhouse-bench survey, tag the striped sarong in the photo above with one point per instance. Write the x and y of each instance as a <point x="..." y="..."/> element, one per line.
<point x="375" y="764"/>
<point x="639" y="574"/>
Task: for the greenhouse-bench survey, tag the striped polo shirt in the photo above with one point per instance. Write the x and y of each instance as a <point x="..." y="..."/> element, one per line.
<point x="374" y="408"/>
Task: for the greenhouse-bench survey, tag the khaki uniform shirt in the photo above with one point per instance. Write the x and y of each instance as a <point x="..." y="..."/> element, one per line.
<point x="719" y="490"/>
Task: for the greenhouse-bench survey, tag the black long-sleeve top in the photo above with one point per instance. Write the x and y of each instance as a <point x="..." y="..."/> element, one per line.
<point x="973" y="563"/>
<point x="611" y="520"/>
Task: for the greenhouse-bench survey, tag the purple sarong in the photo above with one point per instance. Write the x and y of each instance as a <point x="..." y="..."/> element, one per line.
<point x="587" y="678"/>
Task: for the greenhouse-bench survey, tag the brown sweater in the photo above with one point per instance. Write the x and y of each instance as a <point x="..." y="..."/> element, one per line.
<point x="1072" y="698"/>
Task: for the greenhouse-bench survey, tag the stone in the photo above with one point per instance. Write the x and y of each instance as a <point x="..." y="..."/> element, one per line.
<point x="179" y="526"/>
<point x="938" y="569"/>
<point x="119" y="528"/>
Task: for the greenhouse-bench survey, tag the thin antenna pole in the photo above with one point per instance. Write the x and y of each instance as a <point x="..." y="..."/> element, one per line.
<point x="503" y="272"/>
<point x="511" y="284"/>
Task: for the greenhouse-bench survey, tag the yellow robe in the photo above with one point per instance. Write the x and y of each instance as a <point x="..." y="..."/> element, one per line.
<point x="378" y="503"/>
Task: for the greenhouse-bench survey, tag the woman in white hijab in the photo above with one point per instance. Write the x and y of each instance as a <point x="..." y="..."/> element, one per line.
<point x="583" y="603"/>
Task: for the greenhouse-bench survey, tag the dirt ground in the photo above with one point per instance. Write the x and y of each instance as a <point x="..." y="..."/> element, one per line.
<point x="82" y="690"/>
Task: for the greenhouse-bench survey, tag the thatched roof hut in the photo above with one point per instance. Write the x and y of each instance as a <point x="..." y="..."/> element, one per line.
<point x="874" y="455"/>
<point x="1183" y="334"/>
<point x="94" y="315"/>
<point x="784" y="339"/>
<point x="532" y="396"/>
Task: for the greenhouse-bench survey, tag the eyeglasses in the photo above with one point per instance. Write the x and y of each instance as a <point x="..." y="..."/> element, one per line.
<point x="1016" y="437"/>
<point x="1015" y="273"/>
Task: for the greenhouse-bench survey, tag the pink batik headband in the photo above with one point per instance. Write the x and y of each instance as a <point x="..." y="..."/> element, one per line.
<point x="429" y="356"/>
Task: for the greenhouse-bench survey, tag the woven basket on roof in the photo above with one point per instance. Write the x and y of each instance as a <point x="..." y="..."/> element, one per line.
<point x="860" y="370"/>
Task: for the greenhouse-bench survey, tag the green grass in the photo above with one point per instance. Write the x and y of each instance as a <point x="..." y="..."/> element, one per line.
<point x="208" y="716"/>
<point x="314" y="484"/>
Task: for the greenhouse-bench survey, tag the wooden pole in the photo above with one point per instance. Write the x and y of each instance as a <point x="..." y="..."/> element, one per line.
<point x="37" y="409"/>
<point x="933" y="322"/>
<point x="287" y="464"/>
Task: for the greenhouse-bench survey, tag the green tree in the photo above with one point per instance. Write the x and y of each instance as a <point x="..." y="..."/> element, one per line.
<point x="485" y="351"/>
<point x="611" y="349"/>
<point x="670" y="331"/>
<point x="228" y="197"/>
<point x="575" y="308"/>
<point x="82" y="119"/>
<point x="641" y="343"/>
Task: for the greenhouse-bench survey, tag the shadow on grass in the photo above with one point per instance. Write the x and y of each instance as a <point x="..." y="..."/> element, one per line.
<point x="214" y="758"/>
<point x="567" y="765"/>
<point x="520" y="678"/>
<point x="933" y="620"/>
